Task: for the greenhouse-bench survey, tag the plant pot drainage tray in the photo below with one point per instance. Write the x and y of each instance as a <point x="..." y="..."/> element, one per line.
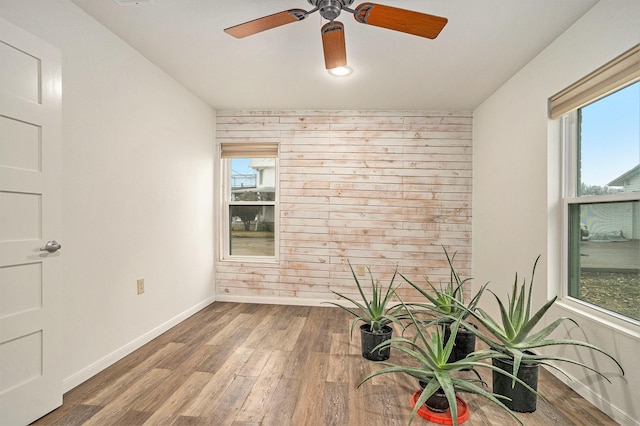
<point x="442" y="418"/>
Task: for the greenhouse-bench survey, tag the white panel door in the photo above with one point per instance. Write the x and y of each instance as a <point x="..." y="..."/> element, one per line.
<point x="30" y="278"/>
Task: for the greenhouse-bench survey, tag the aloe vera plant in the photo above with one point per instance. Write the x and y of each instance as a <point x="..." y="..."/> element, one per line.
<point x="514" y="336"/>
<point x="375" y="311"/>
<point x="446" y="302"/>
<point x="433" y="368"/>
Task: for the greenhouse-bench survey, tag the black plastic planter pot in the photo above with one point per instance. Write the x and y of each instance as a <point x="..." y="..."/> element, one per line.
<point x="522" y="399"/>
<point x="437" y="410"/>
<point x="465" y="343"/>
<point x="438" y="402"/>
<point x="370" y="340"/>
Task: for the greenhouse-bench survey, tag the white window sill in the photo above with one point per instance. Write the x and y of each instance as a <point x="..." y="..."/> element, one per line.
<point x="612" y="321"/>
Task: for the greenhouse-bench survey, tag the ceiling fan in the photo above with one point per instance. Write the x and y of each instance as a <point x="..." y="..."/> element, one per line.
<point x="335" y="55"/>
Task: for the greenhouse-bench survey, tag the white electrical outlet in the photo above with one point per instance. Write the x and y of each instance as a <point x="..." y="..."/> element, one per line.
<point x="140" y="285"/>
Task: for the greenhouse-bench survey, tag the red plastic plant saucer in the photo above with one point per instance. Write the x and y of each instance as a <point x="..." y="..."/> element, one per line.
<point x="442" y="418"/>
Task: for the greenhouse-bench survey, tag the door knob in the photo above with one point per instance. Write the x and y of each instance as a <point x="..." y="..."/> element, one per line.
<point x="52" y="246"/>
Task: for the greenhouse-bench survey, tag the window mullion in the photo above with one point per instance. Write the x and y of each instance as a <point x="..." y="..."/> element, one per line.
<point x="608" y="198"/>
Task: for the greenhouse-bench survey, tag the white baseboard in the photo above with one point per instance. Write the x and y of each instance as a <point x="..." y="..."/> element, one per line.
<point x="293" y="301"/>
<point x="296" y="301"/>
<point x="93" y="369"/>
<point x="588" y="394"/>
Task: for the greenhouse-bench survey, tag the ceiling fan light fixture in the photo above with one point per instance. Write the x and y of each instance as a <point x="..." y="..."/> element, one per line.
<point x="340" y="71"/>
<point x="330" y="9"/>
<point x="333" y="39"/>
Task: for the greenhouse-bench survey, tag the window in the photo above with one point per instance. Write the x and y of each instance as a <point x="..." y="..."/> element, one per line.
<point x="250" y="201"/>
<point x="602" y="194"/>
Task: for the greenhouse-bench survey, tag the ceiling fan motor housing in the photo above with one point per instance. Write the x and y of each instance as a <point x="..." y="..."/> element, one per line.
<point x="330" y="9"/>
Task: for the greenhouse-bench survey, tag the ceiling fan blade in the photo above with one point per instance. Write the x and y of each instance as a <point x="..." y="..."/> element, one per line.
<point x="405" y="21"/>
<point x="266" y="23"/>
<point x="335" y="52"/>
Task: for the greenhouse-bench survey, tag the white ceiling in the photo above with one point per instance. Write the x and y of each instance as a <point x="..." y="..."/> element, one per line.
<point x="484" y="44"/>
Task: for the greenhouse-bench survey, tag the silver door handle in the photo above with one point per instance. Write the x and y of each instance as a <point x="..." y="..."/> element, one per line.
<point x="52" y="246"/>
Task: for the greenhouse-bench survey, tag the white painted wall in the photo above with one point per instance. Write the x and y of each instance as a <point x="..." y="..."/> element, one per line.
<point x="137" y="190"/>
<point x="517" y="214"/>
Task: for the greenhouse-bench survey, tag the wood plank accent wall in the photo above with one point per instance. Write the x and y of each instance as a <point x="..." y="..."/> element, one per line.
<point x="377" y="188"/>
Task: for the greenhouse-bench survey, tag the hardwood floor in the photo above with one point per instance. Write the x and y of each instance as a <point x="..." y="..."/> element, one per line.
<point x="246" y="364"/>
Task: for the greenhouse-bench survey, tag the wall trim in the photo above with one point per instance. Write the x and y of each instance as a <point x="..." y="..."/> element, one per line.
<point x="295" y="301"/>
<point x="595" y="399"/>
<point x="110" y="359"/>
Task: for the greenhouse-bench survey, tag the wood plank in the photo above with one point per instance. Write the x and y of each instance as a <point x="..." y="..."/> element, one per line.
<point x="259" y="398"/>
<point x="201" y="405"/>
<point x="225" y="410"/>
<point x="285" y="398"/>
<point x="308" y="410"/>
<point x="339" y="360"/>
<point x="334" y="404"/>
<point x="120" y="405"/>
<point x="168" y="412"/>
<point x="128" y="379"/>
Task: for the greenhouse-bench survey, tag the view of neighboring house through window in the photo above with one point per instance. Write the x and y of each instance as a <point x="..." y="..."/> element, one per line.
<point x="250" y="203"/>
<point x="603" y="202"/>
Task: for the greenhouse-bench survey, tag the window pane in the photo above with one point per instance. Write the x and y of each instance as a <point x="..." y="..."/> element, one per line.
<point x="251" y="201"/>
<point x="605" y="255"/>
<point x="252" y="179"/>
<point x="609" y="146"/>
<point x="252" y="232"/>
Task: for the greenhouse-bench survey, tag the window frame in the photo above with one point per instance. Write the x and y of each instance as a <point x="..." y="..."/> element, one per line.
<point x="570" y="197"/>
<point x="246" y="150"/>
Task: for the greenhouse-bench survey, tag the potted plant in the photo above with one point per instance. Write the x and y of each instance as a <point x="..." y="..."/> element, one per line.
<point x="441" y="379"/>
<point x="376" y="314"/>
<point x="446" y="304"/>
<point x="513" y="339"/>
